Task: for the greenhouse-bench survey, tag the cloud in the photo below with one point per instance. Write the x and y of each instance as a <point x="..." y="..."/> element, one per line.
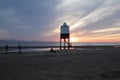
<point x="26" y="18"/>
<point x="81" y="13"/>
<point x="107" y="30"/>
<point x="100" y="13"/>
<point x="4" y="34"/>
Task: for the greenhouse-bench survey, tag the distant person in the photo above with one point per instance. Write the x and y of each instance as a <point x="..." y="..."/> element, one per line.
<point x="19" y="48"/>
<point x="69" y="45"/>
<point x="51" y="50"/>
<point x="6" y="49"/>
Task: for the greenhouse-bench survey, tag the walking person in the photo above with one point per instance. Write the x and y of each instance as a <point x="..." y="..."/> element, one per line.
<point x="19" y="49"/>
<point x="6" y="49"/>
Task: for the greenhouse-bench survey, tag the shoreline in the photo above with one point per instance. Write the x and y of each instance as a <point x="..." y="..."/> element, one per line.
<point x="37" y="49"/>
<point x="85" y="49"/>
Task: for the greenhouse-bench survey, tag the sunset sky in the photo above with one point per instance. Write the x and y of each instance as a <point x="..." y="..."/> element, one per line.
<point x="40" y="20"/>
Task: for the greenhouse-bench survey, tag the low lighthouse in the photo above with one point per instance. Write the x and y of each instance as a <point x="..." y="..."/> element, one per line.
<point x="64" y="36"/>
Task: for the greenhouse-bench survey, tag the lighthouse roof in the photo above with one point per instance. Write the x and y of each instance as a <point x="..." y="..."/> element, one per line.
<point x="64" y="25"/>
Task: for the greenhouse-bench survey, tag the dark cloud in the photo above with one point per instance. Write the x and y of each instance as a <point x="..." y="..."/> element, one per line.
<point x="27" y="17"/>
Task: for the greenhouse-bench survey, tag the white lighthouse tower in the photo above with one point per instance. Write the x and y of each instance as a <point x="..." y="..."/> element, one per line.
<point x="65" y="36"/>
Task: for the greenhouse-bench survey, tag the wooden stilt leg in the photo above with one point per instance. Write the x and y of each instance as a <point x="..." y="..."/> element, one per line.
<point x="68" y="43"/>
<point x="64" y="43"/>
<point x="60" y="43"/>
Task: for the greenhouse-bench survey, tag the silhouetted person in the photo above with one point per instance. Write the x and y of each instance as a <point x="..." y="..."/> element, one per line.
<point x="51" y="50"/>
<point x="69" y="45"/>
<point x="6" y="49"/>
<point x="19" y="48"/>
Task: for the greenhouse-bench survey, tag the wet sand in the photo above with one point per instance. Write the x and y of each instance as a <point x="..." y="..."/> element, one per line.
<point x="93" y="64"/>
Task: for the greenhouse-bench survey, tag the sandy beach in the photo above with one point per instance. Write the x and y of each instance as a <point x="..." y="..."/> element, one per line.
<point x="93" y="64"/>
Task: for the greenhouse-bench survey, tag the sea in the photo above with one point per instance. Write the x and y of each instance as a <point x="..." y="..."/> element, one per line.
<point x="42" y="43"/>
